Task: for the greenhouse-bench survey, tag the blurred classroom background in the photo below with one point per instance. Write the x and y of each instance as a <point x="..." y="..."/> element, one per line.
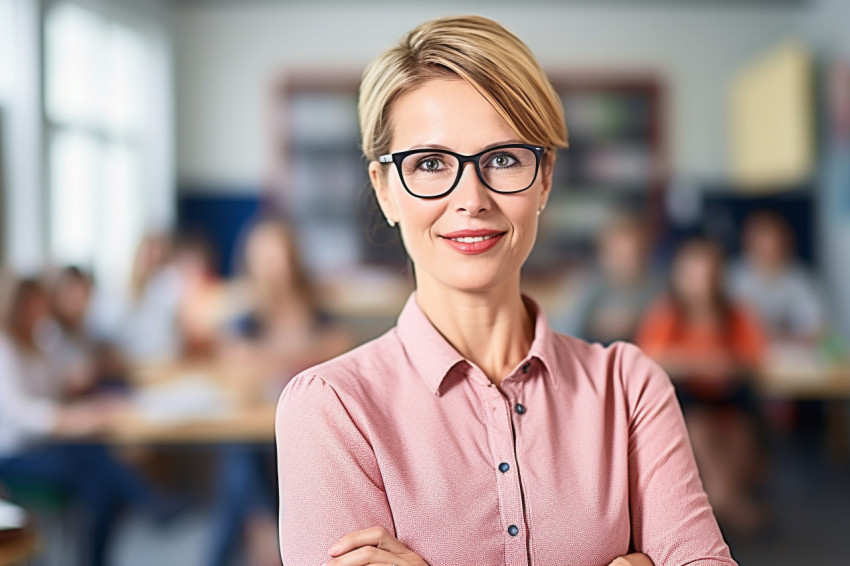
<point x="186" y="224"/>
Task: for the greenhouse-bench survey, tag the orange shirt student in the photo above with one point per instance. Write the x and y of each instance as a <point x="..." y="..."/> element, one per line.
<point x="711" y="355"/>
<point x="708" y="344"/>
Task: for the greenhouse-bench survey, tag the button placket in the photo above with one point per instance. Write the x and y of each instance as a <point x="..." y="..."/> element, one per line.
<point x="507" y="480"/>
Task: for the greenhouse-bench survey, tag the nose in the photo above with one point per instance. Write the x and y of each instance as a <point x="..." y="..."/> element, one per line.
<point x="470" y="196"/>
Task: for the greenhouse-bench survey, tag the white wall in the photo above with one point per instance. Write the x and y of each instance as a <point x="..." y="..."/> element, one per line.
<point x="227" y="53"/>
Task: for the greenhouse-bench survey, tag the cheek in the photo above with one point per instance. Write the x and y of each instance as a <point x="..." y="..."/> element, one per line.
<point x="416" y="226"/>
<point x="524" y="219"/>
<point x="416" y="216"/>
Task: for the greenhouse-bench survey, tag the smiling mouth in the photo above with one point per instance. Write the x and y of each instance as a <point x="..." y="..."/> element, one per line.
<point x="474" y="239"/>
<point x="473" y="242"/>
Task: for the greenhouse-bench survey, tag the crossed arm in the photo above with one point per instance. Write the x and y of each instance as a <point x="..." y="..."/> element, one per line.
<point x="376" y="545"/>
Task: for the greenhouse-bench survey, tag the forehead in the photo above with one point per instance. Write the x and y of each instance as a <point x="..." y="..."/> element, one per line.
<point x="449" y="113"/>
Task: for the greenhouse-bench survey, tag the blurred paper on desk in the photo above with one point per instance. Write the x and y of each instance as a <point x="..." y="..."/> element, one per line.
<point x="790" y="362"/>
<point x="11" y="516"/>
<point x="189" y="397"/>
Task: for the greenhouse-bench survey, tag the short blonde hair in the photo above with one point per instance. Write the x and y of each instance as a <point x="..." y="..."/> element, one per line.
<point x="477" y="50"/>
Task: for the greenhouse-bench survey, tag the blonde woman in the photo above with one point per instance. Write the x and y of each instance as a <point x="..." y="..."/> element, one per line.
<point x="471" y="433"/>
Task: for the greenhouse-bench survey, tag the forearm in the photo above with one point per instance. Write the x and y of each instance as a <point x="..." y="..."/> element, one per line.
<point x="634" y="559"/>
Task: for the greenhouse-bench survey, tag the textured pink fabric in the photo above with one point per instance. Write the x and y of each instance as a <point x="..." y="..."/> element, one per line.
<point x="403" y="432"/>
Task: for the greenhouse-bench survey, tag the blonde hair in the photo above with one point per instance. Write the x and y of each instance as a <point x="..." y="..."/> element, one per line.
<point x="477" y="50"/>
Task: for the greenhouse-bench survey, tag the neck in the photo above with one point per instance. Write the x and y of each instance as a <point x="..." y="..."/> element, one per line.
<point x="490" y="328"/>
<point x="702" y="311"/>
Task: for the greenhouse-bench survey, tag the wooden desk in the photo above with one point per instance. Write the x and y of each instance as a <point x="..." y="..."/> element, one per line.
<point x="243" y="418"/>
<point x="17" y="546"/>
<point x="804" y="379"/>
<point x="244" y="424"/>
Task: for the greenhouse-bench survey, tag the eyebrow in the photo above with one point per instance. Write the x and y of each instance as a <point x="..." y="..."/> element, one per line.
<point x="446" y="148"/>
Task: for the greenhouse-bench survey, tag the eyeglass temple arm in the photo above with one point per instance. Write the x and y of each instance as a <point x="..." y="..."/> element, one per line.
<point x="386" y="158"/>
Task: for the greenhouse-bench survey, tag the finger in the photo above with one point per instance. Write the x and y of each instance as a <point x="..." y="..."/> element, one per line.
<point x="378" y="537"/>
<point x="367" y="556"/>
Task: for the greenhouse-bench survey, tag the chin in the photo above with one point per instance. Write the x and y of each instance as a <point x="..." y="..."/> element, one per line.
<point x="477" y="278"/>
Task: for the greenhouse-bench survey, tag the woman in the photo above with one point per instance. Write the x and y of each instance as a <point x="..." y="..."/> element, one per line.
<point x="711" y="347"/>
<point x="283" y="329"/>
<point x="282" y="333"/>
<point x="471" y="433"/>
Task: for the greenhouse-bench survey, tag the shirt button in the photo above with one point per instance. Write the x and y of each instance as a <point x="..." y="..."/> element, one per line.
<point x="519" y="408"/>
<point x="513" y="530"/>
<point x="504" y="467"/>
<point x="525" y="367"/>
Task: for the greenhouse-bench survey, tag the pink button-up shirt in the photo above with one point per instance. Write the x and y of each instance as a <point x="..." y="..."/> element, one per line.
<point x="582" y="455"/>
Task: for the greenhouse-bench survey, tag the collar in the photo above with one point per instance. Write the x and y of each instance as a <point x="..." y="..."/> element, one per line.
<point x="434" y="357"/>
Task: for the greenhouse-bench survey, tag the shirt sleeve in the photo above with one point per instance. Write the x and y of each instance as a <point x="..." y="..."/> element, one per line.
<point x="26" y="414"/>
<point x="807" y="316"/>
<point x="330" y="483"/>
<point x="672" y="521"/>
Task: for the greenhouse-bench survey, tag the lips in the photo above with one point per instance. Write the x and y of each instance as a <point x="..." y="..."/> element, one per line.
<point x="473" y="241"/>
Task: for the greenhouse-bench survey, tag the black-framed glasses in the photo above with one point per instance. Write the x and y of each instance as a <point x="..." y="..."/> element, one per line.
<point x="434" y="173"/>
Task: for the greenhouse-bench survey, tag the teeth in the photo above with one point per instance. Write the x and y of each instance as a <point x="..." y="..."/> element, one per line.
<point x="473" y="239"/>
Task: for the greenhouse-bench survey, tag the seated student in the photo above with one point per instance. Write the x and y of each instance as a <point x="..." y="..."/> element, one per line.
<point x="201" y="299"/>
<point x="282" y="332"/>
<point x="90" y="364"/>
<point x="709" y="347"/>
<point x="142" y="320"/>
<point x="33" y="422"/>
<point x="612" y="302"/>
<point x="774" y="284"/>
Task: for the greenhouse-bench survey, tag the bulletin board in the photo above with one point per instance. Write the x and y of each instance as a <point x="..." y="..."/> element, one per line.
<point x="772" y="121"/>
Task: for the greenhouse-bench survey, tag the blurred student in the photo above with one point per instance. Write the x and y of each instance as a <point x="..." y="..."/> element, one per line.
<point x="769" y="279"/>
<point x="710" y="347"/>
<point x="144" y="322"/>
<point x="613" y="300"/>
<point x="201" y="300"/>
<point x="90" y="364"/>
<point x="33" y="424"/>
<point x="282" y="332"/>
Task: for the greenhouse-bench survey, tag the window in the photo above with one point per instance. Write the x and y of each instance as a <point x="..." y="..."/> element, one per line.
<point x="98" y="110"/>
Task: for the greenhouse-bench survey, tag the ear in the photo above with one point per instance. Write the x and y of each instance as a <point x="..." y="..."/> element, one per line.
<point x="547" y="170"/>
<point x="378" y="176"/>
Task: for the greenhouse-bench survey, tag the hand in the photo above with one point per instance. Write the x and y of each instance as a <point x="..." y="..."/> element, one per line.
<point x="80" y="420"/>
<point x="372" y="546"/>
<point x="636" y="559"/>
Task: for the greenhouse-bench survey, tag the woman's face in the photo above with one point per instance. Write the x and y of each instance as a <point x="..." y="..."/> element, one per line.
<point x="268" y="258"/>
<point x="695" y="275"/>
<point x="451" y="114"/>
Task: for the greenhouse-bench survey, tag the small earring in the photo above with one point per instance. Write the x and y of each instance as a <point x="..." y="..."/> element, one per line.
<point x="540" y="210"/>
